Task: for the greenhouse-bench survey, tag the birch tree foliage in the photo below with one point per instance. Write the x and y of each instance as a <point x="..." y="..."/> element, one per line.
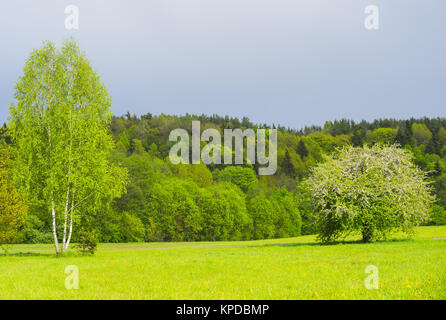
<point x="59" y="127"/>
<point x="372" y="191"/>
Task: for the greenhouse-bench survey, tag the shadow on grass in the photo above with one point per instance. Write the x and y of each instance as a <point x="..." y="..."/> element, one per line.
<point x="26" y="254"/>
<point x="383" y="241"/>
<point x="334" y="243"/>
<point x="39" y="254"/>
<point x="297" y="244"/>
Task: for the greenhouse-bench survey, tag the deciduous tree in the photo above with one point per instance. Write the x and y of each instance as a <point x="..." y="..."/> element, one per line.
<point x="60" y="129"/>
<point x="369" y="190"/>
<point x="13" y="212"/>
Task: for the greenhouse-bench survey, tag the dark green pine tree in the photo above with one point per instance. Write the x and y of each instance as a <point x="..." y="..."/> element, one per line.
<point x="356" y="139"/>
<point x="399" y="138"/>
<point x="3" y="129"/>
<point x="404" y="134"/>
<point x="433" y="146"/>
<point x="4" y="134"/>
<point x="302" y="149"/>
<point x="408" y="134"/>
<point x="287" y="165"/>
<point x="437" y="170"/>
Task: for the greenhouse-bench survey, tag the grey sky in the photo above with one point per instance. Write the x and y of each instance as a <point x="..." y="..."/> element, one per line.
<point x="276" y="61"/>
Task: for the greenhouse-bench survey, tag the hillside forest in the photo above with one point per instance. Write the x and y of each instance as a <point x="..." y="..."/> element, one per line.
<point x="166" y="202"/>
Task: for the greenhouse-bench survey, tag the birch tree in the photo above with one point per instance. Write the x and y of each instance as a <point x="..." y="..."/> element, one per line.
<point x="60" y="130"/>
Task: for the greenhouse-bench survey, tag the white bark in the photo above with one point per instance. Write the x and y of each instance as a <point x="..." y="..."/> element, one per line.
<point x="71" y="225"/>
<point x="65" y="220"/>
<point x="53" y="213"/>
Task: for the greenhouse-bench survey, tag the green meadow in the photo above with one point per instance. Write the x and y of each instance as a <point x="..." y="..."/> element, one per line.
<point x="292" y="268"/>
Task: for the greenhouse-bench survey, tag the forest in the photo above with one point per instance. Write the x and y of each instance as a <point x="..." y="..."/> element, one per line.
<point x="166" y="202"/>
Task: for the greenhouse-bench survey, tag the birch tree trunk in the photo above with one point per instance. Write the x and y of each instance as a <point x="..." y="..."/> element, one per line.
<point x="70" y="232"/>
<point x="53" y="214"/>
<point x="65" y="219"/>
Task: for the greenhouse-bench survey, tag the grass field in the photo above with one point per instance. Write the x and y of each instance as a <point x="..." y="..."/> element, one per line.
<point x="293" y="268"/>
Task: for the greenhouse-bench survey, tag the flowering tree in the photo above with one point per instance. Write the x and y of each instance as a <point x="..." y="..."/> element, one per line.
<point x="369" y="190"/>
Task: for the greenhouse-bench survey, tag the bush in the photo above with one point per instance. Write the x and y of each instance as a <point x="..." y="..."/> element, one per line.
<point x="37" y="237"/>
<point x="131" y="228"/>
<point x="438" y="216"/>
<point x="88" y="241"/>
<point x="35" y="231"/>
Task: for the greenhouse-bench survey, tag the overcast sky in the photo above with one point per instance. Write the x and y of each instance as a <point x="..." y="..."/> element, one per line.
<point x="276" y="61"/>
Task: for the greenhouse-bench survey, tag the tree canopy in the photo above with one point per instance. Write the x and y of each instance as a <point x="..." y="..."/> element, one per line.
<point x="60" y="131"/>
<point x="369" y="190"/>
<point x="13" y="212"/>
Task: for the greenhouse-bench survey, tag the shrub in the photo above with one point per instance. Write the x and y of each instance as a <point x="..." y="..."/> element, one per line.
<point x="131" y="228"/>
<point x="88" y="241"/>
<point x="438" y="215"/>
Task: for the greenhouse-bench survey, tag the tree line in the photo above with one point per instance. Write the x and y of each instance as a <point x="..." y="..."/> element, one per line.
<point x="165" y="202"/>
<point x="64" y="153"/>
